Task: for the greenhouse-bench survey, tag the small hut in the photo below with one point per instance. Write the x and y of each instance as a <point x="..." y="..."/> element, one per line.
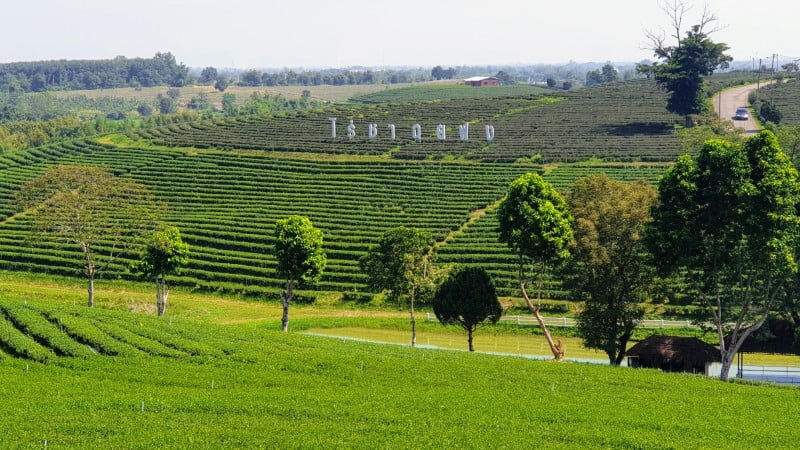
<point x="482" y="81"/>
<point x="673" y="354"/>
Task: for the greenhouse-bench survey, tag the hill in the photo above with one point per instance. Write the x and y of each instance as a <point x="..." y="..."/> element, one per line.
<point x="226" y="204"/>
<point x="617" y="122"/>
<point x="184" y="382"/>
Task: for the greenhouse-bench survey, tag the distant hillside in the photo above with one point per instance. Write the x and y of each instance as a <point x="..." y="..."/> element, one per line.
<point x="445" y="92"/>
<point x="38" y="76"/>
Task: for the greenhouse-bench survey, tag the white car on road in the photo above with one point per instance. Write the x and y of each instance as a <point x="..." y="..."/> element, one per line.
<point x="741" y="114"/>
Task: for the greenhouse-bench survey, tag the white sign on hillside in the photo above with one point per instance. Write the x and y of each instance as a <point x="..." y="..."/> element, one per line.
<point x="416" y="131"/>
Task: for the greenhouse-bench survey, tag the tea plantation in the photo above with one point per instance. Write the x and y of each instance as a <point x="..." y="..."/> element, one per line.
<point x="80" y="377"/>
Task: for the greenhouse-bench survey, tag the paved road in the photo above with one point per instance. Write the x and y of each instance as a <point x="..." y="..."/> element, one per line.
<point x="736" y="98"/>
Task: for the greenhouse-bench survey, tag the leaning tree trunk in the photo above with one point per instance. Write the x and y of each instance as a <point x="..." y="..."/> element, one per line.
<point x="556" y="348"/>
<point x="469" y="339"/>
<point x="286" y="298"/>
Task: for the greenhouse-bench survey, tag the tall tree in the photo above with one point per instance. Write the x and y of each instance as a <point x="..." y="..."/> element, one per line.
<point x="536" y="224"/>
<point x="208" y="74"/>
<point x="90" y="207"/>
<point x="301" y="258"/>
<point x="399" y="263"/>
<point x="467" y="298"/>
<point x="165" y="254"/>
<point x="684" y="64"/>
<point x="609" y="268"/>
<point x="728" y="224"/>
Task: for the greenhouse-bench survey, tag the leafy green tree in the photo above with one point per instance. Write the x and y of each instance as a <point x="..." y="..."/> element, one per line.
<point x="684" y="64"/>
<point x="506" y="79"/>
<point x="229" y="104"/>
<point x="221" y="84"/>
<point x="166" y="105"/>
<point x="87" y="206"/>
<point x="467" y="298"/>
<point x="250" y="78"/>
<point x="399" y="263"/>
<point x="609" y="268"/>
<point x="165" y="254"/>
<point x="145" y="110"/>
<point x="536" y="224"/>
<point x="727" y="223"/>
<point x="199" y="102"/>
<point x="301" y="258"/>
<point x="551" y="82"/>
<point x="174" y="93"/>
<point x="770" y="113"/>
<point x="208" y="74"/>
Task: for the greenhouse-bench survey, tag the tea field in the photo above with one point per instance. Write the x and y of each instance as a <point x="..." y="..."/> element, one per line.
<point x="786" y="97"/>
<point x="79" y="377"/>
<point x="615" y="122"/>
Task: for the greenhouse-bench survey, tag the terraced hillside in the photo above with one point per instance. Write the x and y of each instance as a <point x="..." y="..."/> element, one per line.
<point x="620" y="122"/>
<point x="226" y="204"/>
<point x="787" y="99"/>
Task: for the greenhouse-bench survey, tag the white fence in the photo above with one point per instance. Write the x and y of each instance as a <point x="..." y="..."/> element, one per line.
<point x="569" y="322"/>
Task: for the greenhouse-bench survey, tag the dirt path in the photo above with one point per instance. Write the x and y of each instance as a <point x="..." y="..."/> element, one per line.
<point x="736" y="98"/>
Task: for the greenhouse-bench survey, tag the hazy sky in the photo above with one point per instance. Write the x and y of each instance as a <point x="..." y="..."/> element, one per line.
<point x="314" y="33"/>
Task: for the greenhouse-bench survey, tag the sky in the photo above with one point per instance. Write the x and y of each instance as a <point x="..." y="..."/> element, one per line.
<point x="308" y="34"/>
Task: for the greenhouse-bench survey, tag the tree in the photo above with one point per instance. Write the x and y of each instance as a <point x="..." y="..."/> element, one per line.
<point x="686" y="63"/>
<point x="437" y="73"/>
<point x="200" y="102"/>
<point x="551" y="82"/>
<point x="609" y="268"/>
<point x="727" y="223"/>
<point x="208" y="75"/>
<point x="399" y="264"/>
<point x="770" y="113"/>
<point x="229" y="104"/>
<point x="173" y="93"/>
<point x="301" y="258"/>
<point x="536" y="224"/>
<point x="88" y="206"/>
<point x="506" y="79"/>
<point x="467" y="298"/>
<point x="166" y="105"/>
<point x="221" y="84"/>
<point x="250" y="78"/>
<point x="145" y="110"/>
<point x="165" y="254"/>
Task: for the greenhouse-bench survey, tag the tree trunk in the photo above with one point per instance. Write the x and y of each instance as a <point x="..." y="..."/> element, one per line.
<point x="413" y="321"/>
<point x="286" y="298"/>
<point x="91" y="290"/>
<point x="161" y="295"/>
<point x="557" y="349"/>
<point x="469" y="339"/>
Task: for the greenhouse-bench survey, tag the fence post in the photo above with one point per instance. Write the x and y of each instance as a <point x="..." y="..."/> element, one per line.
<point x="565" y="321"/>
<point x="662" y="323"/>
<point x="517" y="319"/>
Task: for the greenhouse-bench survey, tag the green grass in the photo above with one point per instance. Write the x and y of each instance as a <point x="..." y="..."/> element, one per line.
<point x="290" y="390"/>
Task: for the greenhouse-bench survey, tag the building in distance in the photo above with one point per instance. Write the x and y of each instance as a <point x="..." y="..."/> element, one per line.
<point x="482" y="81"/>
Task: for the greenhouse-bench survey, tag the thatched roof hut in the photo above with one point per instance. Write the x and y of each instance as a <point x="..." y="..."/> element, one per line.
<point x="673" y="354"/>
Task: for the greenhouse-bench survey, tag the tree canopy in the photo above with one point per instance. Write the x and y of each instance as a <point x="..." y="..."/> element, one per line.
<point x="609" y="268"/>
<point x="87" y="205"/>
<point x="727" y="223"/>
<point x="684" y="64"/>
<point x="399" y="264"/>
<point x="467" y="298"/>
<point x="301" y="258"/>
<point x="164" y="254"/>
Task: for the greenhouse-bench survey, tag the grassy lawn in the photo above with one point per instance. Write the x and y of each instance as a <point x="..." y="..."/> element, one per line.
<point x="248" y="385"/>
